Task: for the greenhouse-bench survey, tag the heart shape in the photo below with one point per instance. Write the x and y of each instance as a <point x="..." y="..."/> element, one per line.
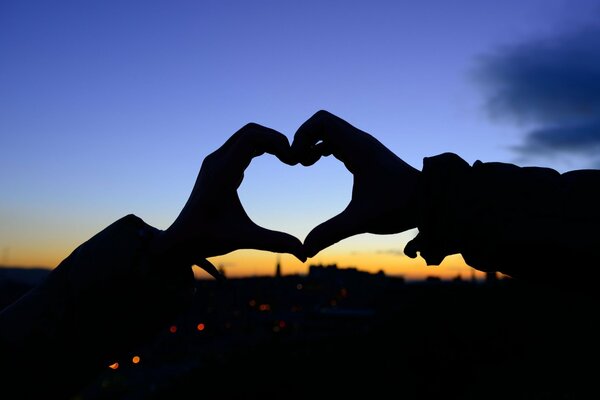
<point x="214" y="222"/>
<point x="270" y="195"/>
<point x="384" y="186"/>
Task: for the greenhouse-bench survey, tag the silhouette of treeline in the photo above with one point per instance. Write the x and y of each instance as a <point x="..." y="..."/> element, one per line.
<point x="342" y="332"/>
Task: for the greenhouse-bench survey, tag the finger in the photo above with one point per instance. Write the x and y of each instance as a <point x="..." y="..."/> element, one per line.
<point x="309" y="157"/>
<point x="227" y="164"/>
<point x="254" y="140"/>
<point x="323" y="149"/>
<point x="210" y="268"/>
<point x="337" y="228"/>
<point x="413" y="246"/>
<point x="311" y="132"/>
<point x="325" y="134"/>
<point x="313" y="154"/>
<point x="278" y="242"/>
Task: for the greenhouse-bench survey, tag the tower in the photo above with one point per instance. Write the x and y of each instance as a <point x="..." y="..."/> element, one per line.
<point x="278" y="267"/>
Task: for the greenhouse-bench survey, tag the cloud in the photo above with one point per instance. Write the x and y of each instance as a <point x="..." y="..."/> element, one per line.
<point x="583" y="138"/>
<point x="551" y="85"/>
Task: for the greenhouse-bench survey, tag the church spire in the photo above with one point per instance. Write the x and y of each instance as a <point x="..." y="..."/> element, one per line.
<point x="278" y="267"/>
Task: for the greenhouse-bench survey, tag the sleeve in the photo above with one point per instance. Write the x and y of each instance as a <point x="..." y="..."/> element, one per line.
<point x="110" y="294"/>
<point x="526" y="222"/>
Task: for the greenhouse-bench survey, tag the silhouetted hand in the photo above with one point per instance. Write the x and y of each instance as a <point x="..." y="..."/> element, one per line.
<point x="384" y="185"/>
<point x="213" y="221"/>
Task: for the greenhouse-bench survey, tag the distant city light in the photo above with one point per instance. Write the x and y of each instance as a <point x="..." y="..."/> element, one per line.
<point x="252" y="303"/>
<point x="299" y="286"/>
<point x="114" y="366"/>
<point x="136" y="359"/>
<point x="200" y="327"/>
<point x="173" y="328"/>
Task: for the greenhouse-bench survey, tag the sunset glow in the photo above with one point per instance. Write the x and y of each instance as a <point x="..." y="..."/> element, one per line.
<point x="255" y="263"/>
<point x="87" y="139"/>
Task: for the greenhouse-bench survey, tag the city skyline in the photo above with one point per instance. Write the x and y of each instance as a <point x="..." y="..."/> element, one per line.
<point x="241" y="338"/>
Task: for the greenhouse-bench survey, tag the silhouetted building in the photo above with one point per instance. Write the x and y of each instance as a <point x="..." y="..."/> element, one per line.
<point x="331" y="271"/>
<point x="491" y="277"/>
<point x="278" y="267"/>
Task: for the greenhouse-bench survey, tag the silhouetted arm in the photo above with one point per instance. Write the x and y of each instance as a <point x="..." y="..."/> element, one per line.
<point x="129" y="280"/>
<point x="530" y="222"/>
<point x="113" y="292"/>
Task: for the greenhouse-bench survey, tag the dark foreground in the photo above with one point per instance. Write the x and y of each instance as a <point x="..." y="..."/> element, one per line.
<point x="345" y="334"/>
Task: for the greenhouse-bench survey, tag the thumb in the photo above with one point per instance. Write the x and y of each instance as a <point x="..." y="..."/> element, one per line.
<point x="209" y="268"/>
<point x="278" y="242"/>
<point x="332" y="231"/>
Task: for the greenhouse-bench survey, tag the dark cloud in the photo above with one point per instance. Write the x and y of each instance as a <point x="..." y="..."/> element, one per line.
<point x="583" y="138"/>
<point x="554" y="86"/>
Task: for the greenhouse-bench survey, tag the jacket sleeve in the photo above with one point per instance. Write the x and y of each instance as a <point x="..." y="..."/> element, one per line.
<point x="109" y="295"/>
<point x="526" y="222"/>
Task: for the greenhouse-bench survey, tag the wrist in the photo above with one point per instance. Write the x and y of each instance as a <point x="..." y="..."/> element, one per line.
<point x="442" y="207"/>
<point x="406" y="188"/>
<point x="176" y="243"/>
<point x="412" y="199"/>
<point x="161" y="244"/>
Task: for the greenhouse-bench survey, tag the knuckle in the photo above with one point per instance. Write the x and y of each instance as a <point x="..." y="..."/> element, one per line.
<point x="322" y="114"/>
<point x="250" y="126"/>
<point x="210" y="160"/>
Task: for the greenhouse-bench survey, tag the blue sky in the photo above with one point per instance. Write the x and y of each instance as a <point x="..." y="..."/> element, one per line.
<point x="109" y="107"/>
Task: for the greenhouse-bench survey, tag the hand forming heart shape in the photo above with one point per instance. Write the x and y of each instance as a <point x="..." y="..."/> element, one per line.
<point x="383" y="193"/>
<point x="214" y="222"/>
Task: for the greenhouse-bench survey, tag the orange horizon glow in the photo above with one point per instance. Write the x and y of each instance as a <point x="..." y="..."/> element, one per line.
<point x="371" y="253"/>
<point x="253" y="263"/>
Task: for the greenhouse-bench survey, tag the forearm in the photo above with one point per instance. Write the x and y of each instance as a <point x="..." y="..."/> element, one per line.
<point x="525" y="222"/>
<point x="109" y="294"/>
<point x="35" y="343"/>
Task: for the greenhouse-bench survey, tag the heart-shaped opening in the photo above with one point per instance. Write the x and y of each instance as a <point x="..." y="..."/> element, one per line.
<point x="297" y="199"/>
<point x="294" y="199"/>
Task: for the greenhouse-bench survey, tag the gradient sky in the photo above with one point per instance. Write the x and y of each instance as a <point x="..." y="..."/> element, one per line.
<point x="108" y="108"/>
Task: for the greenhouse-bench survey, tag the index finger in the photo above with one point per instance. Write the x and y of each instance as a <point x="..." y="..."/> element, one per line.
<point x="324" y="134"/>
<point x="251" y="141"/>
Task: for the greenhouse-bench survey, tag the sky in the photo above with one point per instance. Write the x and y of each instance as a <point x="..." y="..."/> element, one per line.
<point x="109" y="107"/>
